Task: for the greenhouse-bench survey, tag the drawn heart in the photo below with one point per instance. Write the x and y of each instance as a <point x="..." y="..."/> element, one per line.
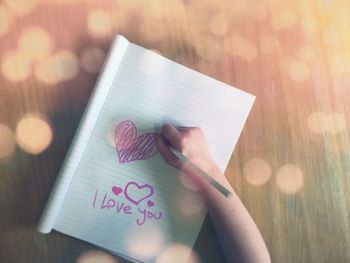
<point x="150" y="203"/>
<point x="137" y="193"/>
<point x="117" y="190"/>
<point x="131" y="147"/>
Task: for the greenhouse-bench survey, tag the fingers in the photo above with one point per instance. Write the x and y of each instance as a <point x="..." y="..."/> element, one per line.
<point x="165" y="152"/>
<point x="183" y="129"/>
<point x="176" y="137"/>
<point x="172" y="135"/>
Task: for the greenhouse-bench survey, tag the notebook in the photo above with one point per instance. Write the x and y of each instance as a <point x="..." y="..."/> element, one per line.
<point x="114" y="190"/>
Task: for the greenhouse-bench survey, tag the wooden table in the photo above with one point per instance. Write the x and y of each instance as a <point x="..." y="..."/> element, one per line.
<point x="291" y="166"/>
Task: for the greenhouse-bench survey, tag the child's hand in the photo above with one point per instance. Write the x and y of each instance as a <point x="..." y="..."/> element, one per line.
<point x="189" y="141"/>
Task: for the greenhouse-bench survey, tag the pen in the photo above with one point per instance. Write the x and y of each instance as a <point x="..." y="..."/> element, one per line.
<point x="222" y="189"/>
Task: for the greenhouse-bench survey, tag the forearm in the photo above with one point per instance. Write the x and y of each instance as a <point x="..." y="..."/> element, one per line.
<point x="237" y="233"/>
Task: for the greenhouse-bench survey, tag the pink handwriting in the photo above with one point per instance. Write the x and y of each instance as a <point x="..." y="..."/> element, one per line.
<point x="121" y="208"/>
<point x="111" y="203"/>
<point x="146" y="192"/>
<point x="147" y="214"/>
<point x="132" y="148"/>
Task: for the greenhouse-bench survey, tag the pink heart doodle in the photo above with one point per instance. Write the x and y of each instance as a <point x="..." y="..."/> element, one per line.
<point x="132" y="148"/>
<point x="146" y="191"/>
<point x="150" y="203"/>
<point x="117" y="190"/>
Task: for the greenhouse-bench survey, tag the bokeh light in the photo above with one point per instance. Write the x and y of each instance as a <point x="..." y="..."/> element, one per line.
<point x="61" y="66"/>
<point x="190" y="204"/>
<point x="322" y="122"/>
<point x="336" y="123"/>
<point x="187" y="182"/>
<point x="297" y="70"/>
<point x="5" y="20"/>
<point x="144" y="243"/>
<point x="283" y="19"/>
<point x="177" y="253"/>
<point x="7" y="142"/>
<point x="236" y="45"/>
<point x="257" y="171"/>
<point x="92" y="59"/>
<point x="289" y="179"/>
<point x="36" y="42"/>
<point x="339" y="64"/>
<point x="153" y="30"/>
<point x="100" y="23"/>
<point x="16" y="66"/>
<point x="218" y="25"/>
<point x="21" y="7"/>
<point x="258" y="10"/>
<point x="209" y="49"/>
<point x="156" y="10"/>
<point x="45" y="72"/>
<point x="96" y="256"/>
<point x="235" y="8"/>
<point x="66" y="64"/>
<point x="269" y="44"/>
<point x="33" y="134"/>
<point x="308" y="24"/>
<point x="111" y="137"/>
<point x="332" y="39"/>
<point x="317" y="122"/>
<point x="306" y="53"/>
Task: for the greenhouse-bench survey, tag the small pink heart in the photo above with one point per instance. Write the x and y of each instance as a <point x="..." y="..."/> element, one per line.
<point x="150" y="203"/>
<point x="117" y="190"/>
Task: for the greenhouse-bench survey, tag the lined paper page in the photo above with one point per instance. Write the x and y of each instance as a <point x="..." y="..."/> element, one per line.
<point x="123" y="196"/>
<point x="82" y="136"/>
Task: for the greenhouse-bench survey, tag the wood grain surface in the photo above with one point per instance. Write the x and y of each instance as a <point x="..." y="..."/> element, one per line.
<point x="291" y="166"/>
